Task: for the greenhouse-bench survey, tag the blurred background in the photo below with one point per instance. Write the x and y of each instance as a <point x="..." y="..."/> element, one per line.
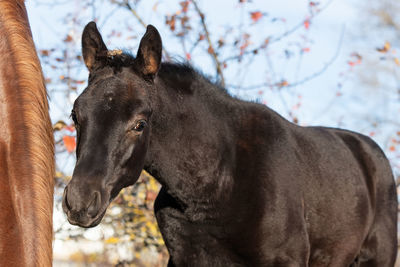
<point x="330" y="62"/>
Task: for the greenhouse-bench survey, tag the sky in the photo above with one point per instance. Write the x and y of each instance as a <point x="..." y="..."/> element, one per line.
<point x="332" y="37"/>
<point x="48" y="27"/>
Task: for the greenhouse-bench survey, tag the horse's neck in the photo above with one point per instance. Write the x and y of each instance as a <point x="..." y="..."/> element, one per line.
<point x="190" y="144"/>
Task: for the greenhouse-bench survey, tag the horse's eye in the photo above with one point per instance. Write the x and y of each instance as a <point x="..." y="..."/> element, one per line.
<point x="140" y="125"/>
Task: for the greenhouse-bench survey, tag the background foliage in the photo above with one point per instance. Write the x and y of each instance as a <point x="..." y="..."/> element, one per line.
<point x="286" y="60"/>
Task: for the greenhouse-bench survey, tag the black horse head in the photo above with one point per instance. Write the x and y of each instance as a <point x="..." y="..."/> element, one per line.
<point x="111" y="118"/>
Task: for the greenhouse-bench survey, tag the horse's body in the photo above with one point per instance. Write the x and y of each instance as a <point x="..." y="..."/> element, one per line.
<point x="26" y="146"/>
<point x="241" y="186"/>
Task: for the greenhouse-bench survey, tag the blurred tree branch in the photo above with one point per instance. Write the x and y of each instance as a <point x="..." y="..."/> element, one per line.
<point x="211" y="49"/>
<point x="128" y="6"/>
<point x="287" y="84"/>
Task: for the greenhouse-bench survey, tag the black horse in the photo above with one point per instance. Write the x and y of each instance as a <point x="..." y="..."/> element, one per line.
<point x="241" y="186"/>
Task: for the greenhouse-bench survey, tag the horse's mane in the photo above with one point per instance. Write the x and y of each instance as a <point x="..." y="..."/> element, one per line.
<point x="27" y="136"/>
<point x="178" y="75"/>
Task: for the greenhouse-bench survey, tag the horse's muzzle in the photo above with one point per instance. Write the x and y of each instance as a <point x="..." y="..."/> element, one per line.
<point x="83" y="210"/>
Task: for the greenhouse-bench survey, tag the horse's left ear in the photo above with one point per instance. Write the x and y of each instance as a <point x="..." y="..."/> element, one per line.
<point x="148" y="57"/>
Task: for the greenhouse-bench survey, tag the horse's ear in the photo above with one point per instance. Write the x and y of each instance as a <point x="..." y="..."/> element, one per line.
<point x="92" y="46"/>
<point x="148" y="57"/>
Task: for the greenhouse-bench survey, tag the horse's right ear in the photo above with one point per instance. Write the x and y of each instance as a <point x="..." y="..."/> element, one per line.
<point x="92" y="46"/>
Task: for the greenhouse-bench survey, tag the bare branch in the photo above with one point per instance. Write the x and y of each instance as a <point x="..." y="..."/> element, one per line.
<point x="285" y="84"/>
<point x="134" y="13"/>
<point x="141" y="21"/>
<point x="299" y="25"/>
<point x="271" y="40"/>
<point x="211" y="47"/>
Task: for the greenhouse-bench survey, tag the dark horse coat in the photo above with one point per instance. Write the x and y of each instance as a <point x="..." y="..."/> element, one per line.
<point x="241" y="186"/>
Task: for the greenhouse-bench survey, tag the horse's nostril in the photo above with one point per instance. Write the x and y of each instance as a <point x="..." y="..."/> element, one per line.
<point x="94" y="205"/>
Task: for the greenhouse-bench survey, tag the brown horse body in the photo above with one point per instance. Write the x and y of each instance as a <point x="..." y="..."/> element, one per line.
<point x="26" y="146"/>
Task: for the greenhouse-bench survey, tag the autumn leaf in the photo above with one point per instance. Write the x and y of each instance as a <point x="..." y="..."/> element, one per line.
<point x="112" y="240"/>
<point x="184" y="20"/>
<point x="59" y="174"/>
<point x="185" y="6"/>
<point x="245" y="44"/>
<point x="171" y="20"/>
<point x="282" y="83"/>
<point x="59" y="125"/>
<point x="151" y="196"/>
<point x="392" y="148"/>
<point x="70" y="128"/>
<point x="152" y="228"/>
<point x="307" y="24"/>
<point x="353" y="63"/>
<point x="356" y="55"/>
<point x="357" y="60"/>
<point x="188" y="56"/>
<point x="69" y="143"/>
<point x="221" y="43"/>
<point x="243" y="47"/>
<point x="256" y="16"/>
<point x="385" y="48"/>
<point x="44" y="52"/>
<point x="68" y="38"/>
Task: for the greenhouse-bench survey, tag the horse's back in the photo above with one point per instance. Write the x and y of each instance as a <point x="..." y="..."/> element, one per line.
<point x="349" y="190"/>
<point x="335" y="186"/>
<point x="380" y="246"/>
